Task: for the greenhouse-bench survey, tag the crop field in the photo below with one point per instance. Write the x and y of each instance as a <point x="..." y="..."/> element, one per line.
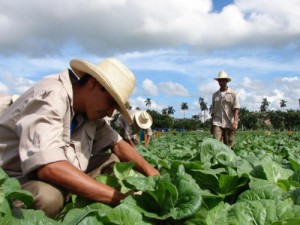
<point x="202" y="182"/>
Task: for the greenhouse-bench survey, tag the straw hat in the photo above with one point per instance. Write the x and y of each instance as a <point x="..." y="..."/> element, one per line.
<point x="223" y="75"/>
<point x="142" y="118"/>
<point x="14" y="97"/>
<point x="116" y="78"/>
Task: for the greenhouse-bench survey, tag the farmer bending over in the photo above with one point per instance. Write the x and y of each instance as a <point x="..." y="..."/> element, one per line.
<point x="52" y="135"/>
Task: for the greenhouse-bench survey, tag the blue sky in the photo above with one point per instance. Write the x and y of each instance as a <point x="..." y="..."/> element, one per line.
<point x="175" y="48"/>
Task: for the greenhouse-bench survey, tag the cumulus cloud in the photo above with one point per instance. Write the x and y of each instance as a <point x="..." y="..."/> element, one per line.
<point x="171" y="88"/>
<point x="149" y="87"/>
<point x="40" y="28"/>
<point x="291" y="79"/>
<point x="14" y="84"/>
<point x="3" y="88"/>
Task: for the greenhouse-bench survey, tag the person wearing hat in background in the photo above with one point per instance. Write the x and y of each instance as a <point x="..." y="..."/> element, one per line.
<point x="225" y="111"/>
<point x="129" y="131"/>
<point x="52" y="135"/>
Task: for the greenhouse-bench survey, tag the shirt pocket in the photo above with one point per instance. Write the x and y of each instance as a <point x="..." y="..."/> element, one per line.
<point x="217" y="99"/>
<point x="228" y="98"/>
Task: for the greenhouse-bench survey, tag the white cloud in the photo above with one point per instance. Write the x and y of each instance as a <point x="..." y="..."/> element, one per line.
<point x="14" y="84"/>
<point x="171" y="88"/>
<point x="3" y="88"/>
<point x="149" y="87"/>
<point x="124" y="26"/>
<point x="291" y="79"/>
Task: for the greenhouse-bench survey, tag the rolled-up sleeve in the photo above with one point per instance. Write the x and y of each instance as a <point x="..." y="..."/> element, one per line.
<point x="236" y="103"/>
<point x="43" y="130"/>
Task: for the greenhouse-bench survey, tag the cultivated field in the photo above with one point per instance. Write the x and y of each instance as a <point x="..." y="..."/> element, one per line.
<point x="202" y="182"/>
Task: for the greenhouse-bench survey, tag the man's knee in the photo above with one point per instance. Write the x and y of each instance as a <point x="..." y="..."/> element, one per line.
<point x="102" y="164"/>
<point x="46" y="197"/>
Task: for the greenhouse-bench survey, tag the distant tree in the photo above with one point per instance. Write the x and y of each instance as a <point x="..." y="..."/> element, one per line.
<point x="264" y="105"/>
<point x="171" y="110"/>
<point x="164" y="111"/>
<point x="184" y="107"/>
<point x="203" y="106"/>
<point x="195" y="117"/>
<point x="148" y="102"/>
<point x="283" y="103"/>
<point x="248" y="120"/>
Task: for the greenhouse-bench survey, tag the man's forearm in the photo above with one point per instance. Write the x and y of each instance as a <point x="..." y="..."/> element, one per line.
<point x="67" y="176"/>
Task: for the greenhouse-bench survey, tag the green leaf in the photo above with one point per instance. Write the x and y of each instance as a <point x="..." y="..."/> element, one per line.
<point x="31" y="216"/>
<point x="274" y="171"/>
<point x="228" y="183"/>
<point x="125" y="215"/>
<point x="90" y="214"/>
<point x="142" y="183"/>
<point x="108" y="180"/>
<point x="189" y="196"/>
<point x="122" y="170"/>
<point x="261" y="189"/>
<point x="216" y="152"/>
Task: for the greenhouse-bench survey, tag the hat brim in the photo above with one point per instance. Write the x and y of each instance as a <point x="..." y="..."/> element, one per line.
<point x="226" y="78"/>
<point x="82" y="67"/>
<point x="143" y="125"/>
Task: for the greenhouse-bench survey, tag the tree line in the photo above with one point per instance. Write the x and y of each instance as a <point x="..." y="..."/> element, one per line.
<point x="249" y="120"/>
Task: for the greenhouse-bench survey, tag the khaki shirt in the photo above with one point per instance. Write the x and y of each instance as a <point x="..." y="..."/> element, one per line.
<point x="35" y="129"/>
<point x="223" y="104"/>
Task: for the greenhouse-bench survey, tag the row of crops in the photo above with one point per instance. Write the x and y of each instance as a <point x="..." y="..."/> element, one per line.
<point x="202" y="182"/>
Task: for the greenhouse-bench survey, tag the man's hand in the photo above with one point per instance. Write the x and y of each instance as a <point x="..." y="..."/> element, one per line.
<point x="234" y="126"/>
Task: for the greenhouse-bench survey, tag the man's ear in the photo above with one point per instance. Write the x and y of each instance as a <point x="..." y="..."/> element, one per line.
<point x="93" y="83"/>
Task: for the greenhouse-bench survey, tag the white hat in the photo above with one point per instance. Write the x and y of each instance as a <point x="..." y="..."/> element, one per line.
<point x="223" y="75"/>
<point x="14" y="97"/>
<point x="142" y="118"/>
<point x="116" y="78"/>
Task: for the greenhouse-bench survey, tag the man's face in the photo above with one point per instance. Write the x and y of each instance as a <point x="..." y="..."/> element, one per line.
<point x="99" y="103"/>
<point x="222" y="83"/>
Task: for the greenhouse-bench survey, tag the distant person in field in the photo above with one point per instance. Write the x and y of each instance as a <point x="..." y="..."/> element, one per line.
<point x="225" y="111"/>
<point x="53" y="137"/>
<point x="142" y="120"/>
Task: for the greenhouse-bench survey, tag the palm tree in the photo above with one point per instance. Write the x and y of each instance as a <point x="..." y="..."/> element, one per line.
<point x="264" y="105"/>
<point x="171" y="110"/>
<point x="148" y="102"/>
<point x="184" y="107"/>
<point x="164" y="111"/>
<point x="203" y="106"/>
<point x="283" y="103"/>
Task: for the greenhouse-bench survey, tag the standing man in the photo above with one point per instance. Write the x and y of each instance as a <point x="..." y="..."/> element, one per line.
<point x="225" y="111"/>
<point x="141" y="120"/>
<point x="53" y="136"/>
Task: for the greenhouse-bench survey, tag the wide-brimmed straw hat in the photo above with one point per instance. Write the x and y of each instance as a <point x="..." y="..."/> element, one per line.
<point x="223" y="75"/>
<point x="116" y="78"/>
<point x="142" y="118"/>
